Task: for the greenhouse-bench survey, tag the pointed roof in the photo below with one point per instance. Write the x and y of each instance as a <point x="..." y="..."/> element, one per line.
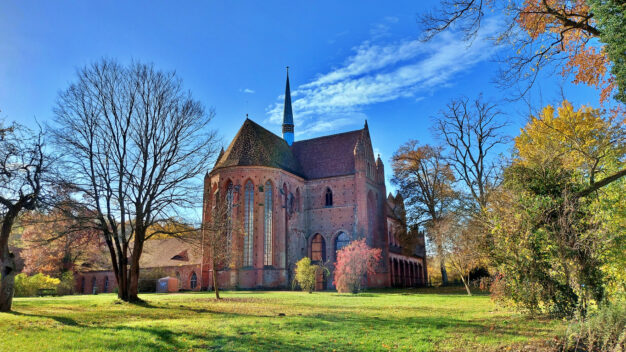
<point x="255" y="146"/>
<point x="321" y="157"/>
<point x="287" y="112"/>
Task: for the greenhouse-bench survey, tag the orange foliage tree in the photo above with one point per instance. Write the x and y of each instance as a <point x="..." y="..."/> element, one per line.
<point x="540" y="32"/>
<point x="354" y="262"/>
<point x="53" y="243"/>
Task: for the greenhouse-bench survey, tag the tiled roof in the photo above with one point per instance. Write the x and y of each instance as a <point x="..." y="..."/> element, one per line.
<point x="156" y="253"/>
<point x="169" y="252"/>
<point x="320" y="157"/>
<point x="255" y="146"/>
<point x="327" y="156"/>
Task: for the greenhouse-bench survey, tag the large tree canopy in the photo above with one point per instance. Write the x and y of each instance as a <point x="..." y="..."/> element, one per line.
<point x="425" y="180"/>
<point x="558" y="220"/>
<point x="134" y="143"/>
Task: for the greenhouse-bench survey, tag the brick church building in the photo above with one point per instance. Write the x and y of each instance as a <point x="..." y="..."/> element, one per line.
<point x="291" y="199"/>
<point x="305" y="198"/>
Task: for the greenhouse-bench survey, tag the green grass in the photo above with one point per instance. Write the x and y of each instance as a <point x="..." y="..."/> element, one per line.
<point x="418" y="320"/>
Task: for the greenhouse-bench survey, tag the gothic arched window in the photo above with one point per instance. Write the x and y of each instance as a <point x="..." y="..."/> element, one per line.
<point x="269" y="206"/>
<point x="193" y="282"/>
<point x="229" y="204"/>
<point x="298" y="206"/>
<point x="341" y="241"/>
<point x="329" y="197"/>
<point x="106" y="284"/>
<point x="248" y="224"/>
<point x="180" y="282"/>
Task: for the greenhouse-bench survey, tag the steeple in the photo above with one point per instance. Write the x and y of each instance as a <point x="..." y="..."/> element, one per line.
<point x="288" y="115"/>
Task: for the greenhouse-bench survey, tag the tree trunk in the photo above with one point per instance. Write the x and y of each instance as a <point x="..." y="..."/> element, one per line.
<point x="7" y="261"/>
<point x="8" y="281"/>
<point x="216" y="286"/>
<point x="444" y="273"/>
<point x="133" y="283"/>
<point x="122" y="281"/>
<point x="466" y="284"/>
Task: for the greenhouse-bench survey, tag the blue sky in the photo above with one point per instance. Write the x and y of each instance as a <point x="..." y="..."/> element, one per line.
<point x="350" y="61"/>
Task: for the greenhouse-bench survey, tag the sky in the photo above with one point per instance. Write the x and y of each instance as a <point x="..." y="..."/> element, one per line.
<point x="349" y="61"/>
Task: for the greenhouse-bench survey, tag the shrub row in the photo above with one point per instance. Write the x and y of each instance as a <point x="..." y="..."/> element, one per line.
<point x="28" y="286"/>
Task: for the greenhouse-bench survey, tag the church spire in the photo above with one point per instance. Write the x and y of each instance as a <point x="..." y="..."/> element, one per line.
<point x="288" y="115"/>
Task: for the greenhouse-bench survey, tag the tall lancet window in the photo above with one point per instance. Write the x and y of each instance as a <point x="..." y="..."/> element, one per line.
<point x="230" y="196"/>
<point x="269" y="233"/>
<point x="248" y="224"/>
<point x="341" y="241"/>
<point x="329" y="197"/>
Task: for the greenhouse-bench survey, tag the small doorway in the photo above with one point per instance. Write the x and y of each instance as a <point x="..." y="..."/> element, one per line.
<point x="320" y="280"/>
<point x="318" y="256"/>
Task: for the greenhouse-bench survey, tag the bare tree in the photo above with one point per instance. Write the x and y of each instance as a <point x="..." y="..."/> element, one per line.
<point x="133" y="143"/>
<point x="425" y="180"/>
<point x="462" y="242"/>
<point x="218" y="227"/>
<point x="23" y="165"/>
<point x="471" y="130"/>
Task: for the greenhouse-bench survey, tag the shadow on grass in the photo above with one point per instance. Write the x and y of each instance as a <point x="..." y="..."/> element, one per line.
<point x="60" y="319"/>
<point x="304" y="328"/>
<point x="117" y="337"/>
<point x="356" y="295"/>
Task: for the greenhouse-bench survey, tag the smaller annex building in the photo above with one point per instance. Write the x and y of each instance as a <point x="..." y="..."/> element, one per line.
<point x="160" y="258"/>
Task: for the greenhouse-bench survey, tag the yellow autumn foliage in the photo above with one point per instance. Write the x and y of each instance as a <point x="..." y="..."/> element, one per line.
<point x="583" y="140"/>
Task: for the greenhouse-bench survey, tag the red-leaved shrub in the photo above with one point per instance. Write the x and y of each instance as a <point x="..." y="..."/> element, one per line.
<point x="354" y="262"/>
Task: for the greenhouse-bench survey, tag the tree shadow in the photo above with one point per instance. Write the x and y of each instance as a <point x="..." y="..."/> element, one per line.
<point x="307" y="322"/>
<point x="356" y="295"/>
<point x="165" y="337"/>
<point x="60" y="319"/>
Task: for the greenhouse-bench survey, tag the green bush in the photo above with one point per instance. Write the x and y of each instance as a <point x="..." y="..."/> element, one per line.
<point x="305" y="274"/>
<point x="66" y="286"/>
<point x="28" y="286"/>
<point x="603" y="330"/>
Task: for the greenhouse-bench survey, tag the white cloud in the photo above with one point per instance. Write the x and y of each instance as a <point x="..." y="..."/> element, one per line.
<point x="381" y="29"/>
<point x="247" y="90"/>
<point x="378" y="73"/>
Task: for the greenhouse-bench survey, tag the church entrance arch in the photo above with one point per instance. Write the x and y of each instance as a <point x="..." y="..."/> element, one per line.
<point x="318" y="256"/>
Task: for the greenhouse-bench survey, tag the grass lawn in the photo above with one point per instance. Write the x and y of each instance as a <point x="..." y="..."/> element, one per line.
<point x="416" y="320"/>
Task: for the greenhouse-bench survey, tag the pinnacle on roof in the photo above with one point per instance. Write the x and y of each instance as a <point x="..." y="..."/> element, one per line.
<point x="287" y="112"/>
<point x="288" y="115"/>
